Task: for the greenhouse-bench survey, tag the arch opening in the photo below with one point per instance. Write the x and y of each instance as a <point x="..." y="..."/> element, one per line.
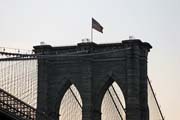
<point x="71" y="105"/>
<point x="113" y="104"/>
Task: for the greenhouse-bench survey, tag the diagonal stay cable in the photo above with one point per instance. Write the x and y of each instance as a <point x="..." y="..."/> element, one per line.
<point x="115" y="105"/>
<point x="151" y="88"/>
<point x="75" y="97"/>
<point x="118" y="98"/>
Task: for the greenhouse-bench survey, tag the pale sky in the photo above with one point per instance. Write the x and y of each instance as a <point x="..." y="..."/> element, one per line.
<point x="24" y="23"/>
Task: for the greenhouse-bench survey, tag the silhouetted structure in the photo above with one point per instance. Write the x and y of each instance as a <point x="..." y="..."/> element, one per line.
<point x="92" y="68"/>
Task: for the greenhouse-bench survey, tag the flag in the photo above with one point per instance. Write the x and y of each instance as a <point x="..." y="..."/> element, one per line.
<point x="96" y="26"/>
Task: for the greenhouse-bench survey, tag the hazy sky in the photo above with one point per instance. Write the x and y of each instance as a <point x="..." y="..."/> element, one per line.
<point x="24" y="23"/>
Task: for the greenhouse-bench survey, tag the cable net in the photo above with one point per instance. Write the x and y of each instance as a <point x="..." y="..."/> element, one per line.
<point x="71" y="105"/>
<point x="113" y="105"/>
<point x="19" y="78"/>
<point x="154" y="108"/>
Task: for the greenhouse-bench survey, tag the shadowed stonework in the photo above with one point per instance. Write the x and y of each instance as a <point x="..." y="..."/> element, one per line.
<point x="92" y="68"/>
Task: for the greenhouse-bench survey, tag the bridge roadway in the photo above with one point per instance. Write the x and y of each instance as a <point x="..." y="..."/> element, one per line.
<point x="12" y="108"/>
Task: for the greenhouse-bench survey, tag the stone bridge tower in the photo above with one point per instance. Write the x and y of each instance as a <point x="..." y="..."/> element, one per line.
<point x="92" y="68"/>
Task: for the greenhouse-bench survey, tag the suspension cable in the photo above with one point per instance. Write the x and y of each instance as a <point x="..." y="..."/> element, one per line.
<point x="38" y="56"/>
<point x="155" y="98"/>
<point x="118" y="98"/>
<point x="115" y="104"/>
<point x="75" y="98"/>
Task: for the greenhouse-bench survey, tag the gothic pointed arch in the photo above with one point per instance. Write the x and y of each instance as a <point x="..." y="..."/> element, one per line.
<point x="109" y="80"/>
<point x="69" y="103"/>
<point x="113" y="103"/>
<point x="114" y="86"/>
